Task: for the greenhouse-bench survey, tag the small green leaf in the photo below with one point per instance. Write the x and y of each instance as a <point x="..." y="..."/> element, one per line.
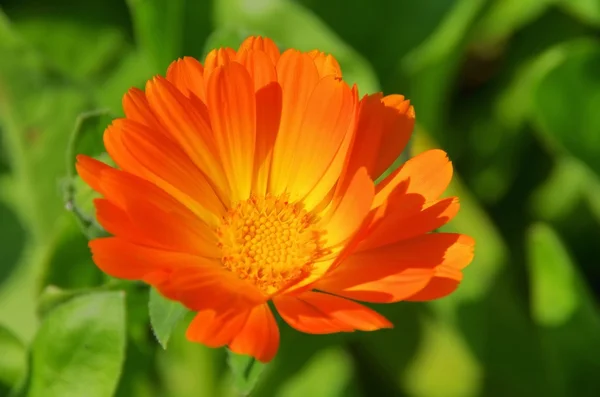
<point x="572" y="125"/>
<point x="562" y="191"/>
<point x="80" y="348"/>
<point x="333" y="364"/>
<point x="13" y="360"/>
<point x="442" y="347"/>
<point x="586" y="10"/>
<point x="165" y="314"/>
<point x="246" y="372"/>
<point x="504" y="17"/>
<point x="566" y="313"/>
<point x="86" y="138"/>
<point x="554" y="294"/>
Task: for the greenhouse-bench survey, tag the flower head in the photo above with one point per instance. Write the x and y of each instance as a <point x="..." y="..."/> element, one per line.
<point x="250" y="178"/>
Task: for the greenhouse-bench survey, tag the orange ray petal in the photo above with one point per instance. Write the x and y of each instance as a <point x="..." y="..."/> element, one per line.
<point x="90" y="170"/>
<point x="383" y="129"/>
<point x="298" y="77"/>
<point x="186" y="126"/>
<point x="326" y="120"/>
<point x="259" y="66"/>
<point x="349" y="210"/>
<point x="326" y="64"/>
<point x="268" y="117"/>
<point x="427" y="174"/>
<point x="130" y="261"/>
<point x="406" y="216"/>
<point x="187" y="75"/>
<point x="151" y="209"/>
<point x="262" y="44"/>
<point x="437" y="288"/>
<point x="216" y="328"/>
<point x="396" y="272"/>
<point x="318" y="313"/>
<point x="232" y="108"/>
<point x="259" y="337"/>
<point x="216" y="58"/>
<point x="398" y="124"/>
<point x="136" y="108"/>
<point x="157" y="159"/>
<point x="332" y="178"/>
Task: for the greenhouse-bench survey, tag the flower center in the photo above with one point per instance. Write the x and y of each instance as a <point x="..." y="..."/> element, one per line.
<point x="270" y="242"/>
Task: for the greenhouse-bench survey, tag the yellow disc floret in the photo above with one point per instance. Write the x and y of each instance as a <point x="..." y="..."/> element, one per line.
<point x="270" y="242"/>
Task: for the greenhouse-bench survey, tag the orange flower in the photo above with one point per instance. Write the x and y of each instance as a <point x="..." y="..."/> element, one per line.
<point x="249" y="179"/>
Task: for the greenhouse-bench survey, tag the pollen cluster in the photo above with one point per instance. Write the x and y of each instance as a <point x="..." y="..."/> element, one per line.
<point x="270" y="242"/>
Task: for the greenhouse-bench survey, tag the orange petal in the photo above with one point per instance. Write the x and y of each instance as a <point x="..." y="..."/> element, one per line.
<point x="259" y="337"/>
<point x="232" y="108"/>
<point x="369" y="130"/>
<point x="437" y="288"/>
<point x="262" y="44"/>
<point x="318" y="313"/>
<point x="259" y="66"/>
<point x="156" y="214"/>
<point x="326" y="64"/>
<point x="398" y="124"/>
<point x="406" y="216"/>
<point x="216" y="58"/>
<point x="186" y="126"/>
<point x="327" y="118"/>
<point x="349" y="213"/>
<point x="122" y="259"/>
<point x="298" y="77"/>
<point x="89" y="170"/>
<point x="396" y="272"/>
<point x="187" y="75"/>
<point x="155" y="158"/>
<point x="427" y="174"/>
<point x="209" y="286"/>
<point x="332" y="178"/>
<point x="215" y="328"/>
<point x="383" y="130"/>
<point x="268" y="117"/>
<point x="136" y="108"/>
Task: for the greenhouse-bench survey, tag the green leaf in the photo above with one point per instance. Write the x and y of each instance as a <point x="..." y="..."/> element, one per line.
<point x="562" y="191"/>
<point x="505" y="16"/>
<point x="572" y="125"/>
<point x="564" y="309"/>
<point x="553" y="277"/>
<point x="442" y="347"/>
<point x="189" y="369"/>
<point x="168" y="29"/>
<point x="13" y="360"/>
<point x="333" y="364"/>
<point x="79" y="348"/>
<point x="246" y="372"/>
<point x="86" y="138"/>
<point x="586" y="10"/>
<point x="165" y="314"/>
<point x="430" y="68"/>
<point x="13" y="237"/>
<point x="292" y="25"/>
<point x="64" y="43"/>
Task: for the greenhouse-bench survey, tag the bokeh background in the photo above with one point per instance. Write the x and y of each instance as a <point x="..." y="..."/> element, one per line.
<point x="509" y="88"/>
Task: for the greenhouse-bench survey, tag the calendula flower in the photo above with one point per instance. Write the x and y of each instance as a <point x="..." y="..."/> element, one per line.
<point x="250" y="178"/>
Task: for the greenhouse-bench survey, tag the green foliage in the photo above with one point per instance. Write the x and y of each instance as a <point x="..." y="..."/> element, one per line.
<point x="80" y="347"/>
<point x="165" y="315"/>
<point x="245" y="371"/>
<point x="509" y="88"/>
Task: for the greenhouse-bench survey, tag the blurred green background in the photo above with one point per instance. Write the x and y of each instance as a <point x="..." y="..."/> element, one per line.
<point x="510" y="88"/>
